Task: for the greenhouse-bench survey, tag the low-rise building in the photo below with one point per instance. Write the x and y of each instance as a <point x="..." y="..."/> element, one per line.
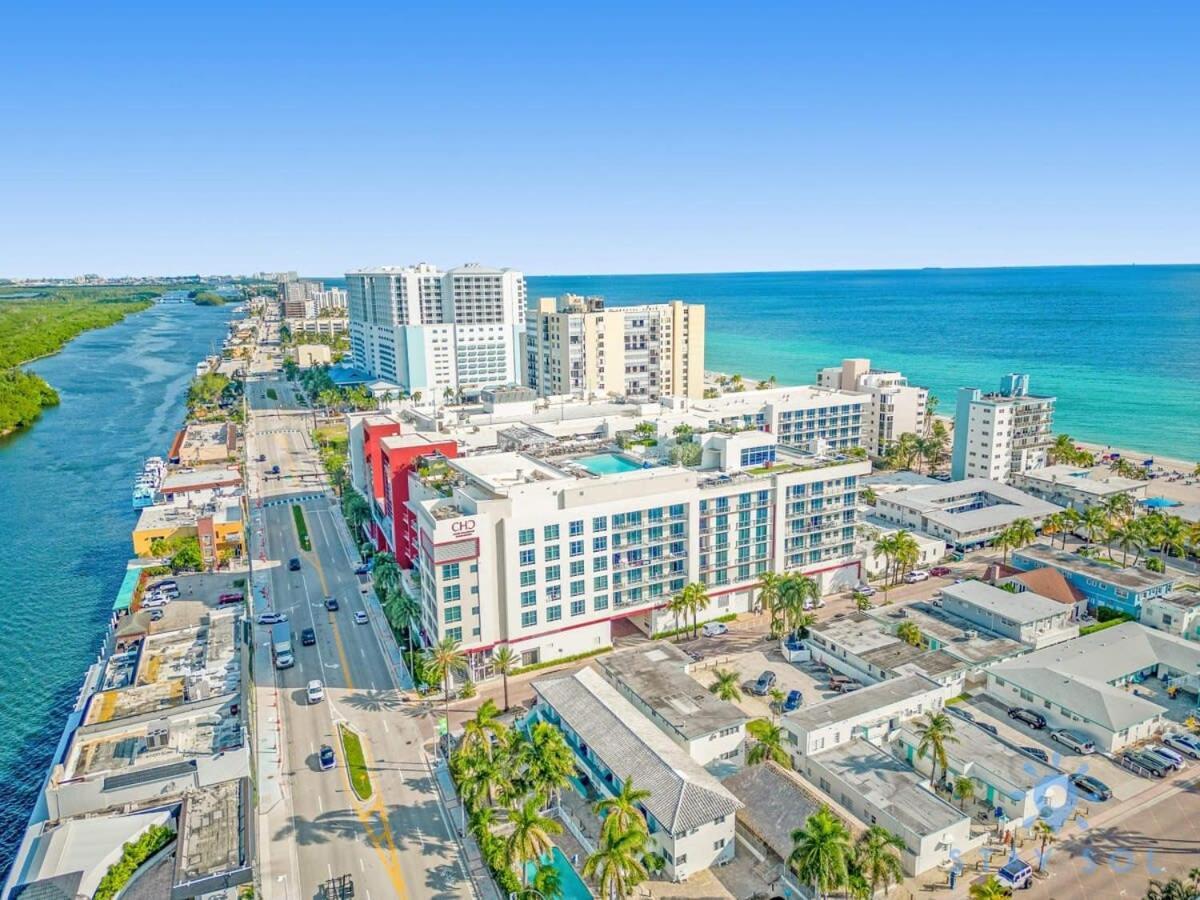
<point x="689" y="814"/>
<point x="965" y="514"/>
<point x="881" y="790"/>
<point x="1124" y="589"/>
<point x="1076" y="488"/>
<point x="868" y="649"/>
<point x="1023" y="616"/>
<point x="309" y="355"/>
<point x="872" y="713"/>
<point x="1050" y="584"/>
<point x="218" y="527"/>
<point x="655" y="680"/>
<point x="201" y="443"/>
<point x="930" y="550"/>
<point x="200" y="486"/>
<point x="1088" y="685"/>
<point x="1176" y="613"/>
<point x="896" y="406"/>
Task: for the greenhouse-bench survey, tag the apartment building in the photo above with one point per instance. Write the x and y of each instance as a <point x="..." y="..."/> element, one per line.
<point x="1003" y="434"/>
<point x="433" y="331"/>
<point x="896" y="407"/>
<point x="814" y="419"/>
<point x="542" y="551"/>
<point x="575" y="346"/>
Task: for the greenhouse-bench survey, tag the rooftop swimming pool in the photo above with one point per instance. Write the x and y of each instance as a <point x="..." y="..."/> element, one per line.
<point x="573" y="887"/>
<point x="608" y="463"/>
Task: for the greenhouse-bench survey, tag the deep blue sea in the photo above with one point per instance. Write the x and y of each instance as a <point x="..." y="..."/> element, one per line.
<point x="65" y="519"/>
<point x="1118" y="346"/>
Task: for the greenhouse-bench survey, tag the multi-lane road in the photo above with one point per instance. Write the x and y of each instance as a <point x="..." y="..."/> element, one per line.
<point x="313" y="828"/>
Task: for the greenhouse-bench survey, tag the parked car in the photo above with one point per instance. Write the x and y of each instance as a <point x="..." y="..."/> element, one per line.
<point x="262" y="457"/>
<point x="939" y="571"/>
<point x="156" y="614"/>
<point x="316" y="691"/>
<point x="960" y="712"/>
<point x="714" y="629"/>
<point x="331" y="604"/>
<point x="763" y="685"/>
<point x="1092" y="787"/>
<point x="272" y="618"/>
<point x="165" y="583"/>
<point x="989" y="728"/>
<point x="328" y="760"/>
<point x="1072" y="741"/>
<point x="164" y="590"/>
<point x="1037" y="753"/>
<point x="848" y="687"/>
<point x="793" y="701"/>
<point x="1156" y="766"/>
<point x="227" y="599"/>
<point x="1031" y="718"/>
<point x="293" y="564"/>
<point x="274" y="470"/>
<point x="362" y="569"/>
<point x="1175" y="760"/>
<point x="1184" y="743"/>
<point x="1016" y="874"/>
<point x="915" y="576"/>
<point x="360" y="618"/>
<point x="866" y="590"/>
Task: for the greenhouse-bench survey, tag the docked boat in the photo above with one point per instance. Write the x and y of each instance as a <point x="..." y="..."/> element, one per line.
<point x="146" y="485"/>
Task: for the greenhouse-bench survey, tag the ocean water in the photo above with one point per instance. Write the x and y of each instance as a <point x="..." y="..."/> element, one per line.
<point x="1118" y="346"/>
<point x="65" y="519"/>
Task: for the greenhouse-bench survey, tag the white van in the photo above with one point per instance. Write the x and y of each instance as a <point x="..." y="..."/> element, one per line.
<point x="1072" y="741"/>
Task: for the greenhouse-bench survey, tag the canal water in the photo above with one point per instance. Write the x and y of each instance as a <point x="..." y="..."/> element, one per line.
<point x="65" y="518"/>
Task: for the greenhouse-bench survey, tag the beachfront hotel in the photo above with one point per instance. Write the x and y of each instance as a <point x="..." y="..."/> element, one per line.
<point x="544" y="548"/>
<point x="1003" y="434"/>
<point x="428" y="330"/>
<point x="896" y="407"/>
<point x="575" y="346"/>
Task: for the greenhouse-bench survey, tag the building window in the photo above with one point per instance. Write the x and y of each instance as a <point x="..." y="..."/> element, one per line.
<point x="525" y="536"/>
<point x="577" y="567"/>
<point x="576" y="528"/>
<point x="577" y="588"/>
<point x="550" y="533"/>
<point x="451" y="592"/>
<point x="528" y="577"/>
<point x="553" y="613"/>
<point x="449" y="571"/>
<point x="453" y="614"/>
<point x="553" y="573"/>
<point x="528" y="598"/>
<point x="454" y="634"/>
<point x="577" y="548"/>
<point x="528" y="557"/>
<point x="599" y="602"/>
<point x="551" y="552"/>
<point x="578" y="607"/>
<point x="599" y="544"/>
<point x="600" y="523"/>
<point x="529" y="619"/>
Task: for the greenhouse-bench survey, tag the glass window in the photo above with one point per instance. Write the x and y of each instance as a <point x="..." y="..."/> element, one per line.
<point x="552" y="573"/>
<point x="528" y="577"/>
<point x="577" y="588"/>
<point x="449" y="571"/>
<point x="553" y="613"/>
<point x="599" y="602"/>
<point x="578" y="607"/>
<point x="451" y="592"/>
<point x="529" y="619"/>
<point x="600" y="523"/>
<point x="454" y="634"/>
<point x="576" y="528"/>
<point x="528" y="598"/>
<point x="528" y="557"/>
<point x="526" y="536"/>
<point x="453" y="614"/>
<point x="551" y="552"/>
<point x="600" y="563"/>
<point x="577" y="566"/>
<point x="550" y="533"/>
<point x="600" y="583"/>
<point x="599" y="544"/>
<point x="577" y="548"/>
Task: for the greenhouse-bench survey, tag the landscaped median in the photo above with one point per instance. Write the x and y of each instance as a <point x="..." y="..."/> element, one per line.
<point x="356" y="763"/>
<point x="301" y="527"/>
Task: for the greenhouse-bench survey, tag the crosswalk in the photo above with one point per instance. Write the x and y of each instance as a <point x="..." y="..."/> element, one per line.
<point x="262" y="431"/>
<point x="287" y="501"/>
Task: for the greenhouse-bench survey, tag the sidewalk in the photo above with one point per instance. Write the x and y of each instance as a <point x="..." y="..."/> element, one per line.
<point x="481" y="877"/>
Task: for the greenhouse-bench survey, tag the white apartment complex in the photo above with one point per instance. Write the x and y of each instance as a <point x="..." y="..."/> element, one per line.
<point x="575" y="346"/>
<point x="430" y="330"/>
<point x="1000" y="435"/>
<point x="896" y="406"/>
<point x="309" y="299"/>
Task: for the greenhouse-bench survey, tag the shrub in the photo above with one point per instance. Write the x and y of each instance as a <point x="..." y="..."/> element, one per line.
<point x="558" y="662"/>
<point x="1154" y="564"/>
<point x="356" y="762"/>
<point x="133" y="855"/>
<point x="301" y="527"/>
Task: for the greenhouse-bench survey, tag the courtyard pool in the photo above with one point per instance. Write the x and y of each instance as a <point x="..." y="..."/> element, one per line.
<point x="608" y="463"/>
<point x="573" y="887"/>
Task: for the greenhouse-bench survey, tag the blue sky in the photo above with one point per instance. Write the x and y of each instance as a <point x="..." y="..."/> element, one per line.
<point x="694" y="137"/>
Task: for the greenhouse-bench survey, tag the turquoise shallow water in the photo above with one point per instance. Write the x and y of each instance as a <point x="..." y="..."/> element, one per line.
<point x="1119" y="346"/>
<point x="65" y="518"/>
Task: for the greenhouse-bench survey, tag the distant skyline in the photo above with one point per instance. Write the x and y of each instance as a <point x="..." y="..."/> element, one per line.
<point x="615" y="139"/>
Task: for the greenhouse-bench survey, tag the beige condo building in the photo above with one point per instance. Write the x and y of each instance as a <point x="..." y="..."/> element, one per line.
<point x="575" y="346"/>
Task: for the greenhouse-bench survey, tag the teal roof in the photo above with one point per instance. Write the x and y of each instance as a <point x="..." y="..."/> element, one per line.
<point x="125" y="594"/>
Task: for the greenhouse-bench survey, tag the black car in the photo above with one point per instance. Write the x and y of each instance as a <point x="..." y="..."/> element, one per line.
<point x="293" y="564"/>
<point x="308" y="637"/>
<point x="362" y="569"/>
<point x="1037" y="753"/>
<point x="1093" y="787"/>
<point x="1033" y="719"/>
<point x="274" y="470"/>
<point x="331" y="604"/>
<point x="990" y="729"/>
<point x="961" y="713"/>
<point x="262" y="457"/>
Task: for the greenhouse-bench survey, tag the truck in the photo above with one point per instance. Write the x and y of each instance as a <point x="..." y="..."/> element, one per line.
<point x="281" y="645"/>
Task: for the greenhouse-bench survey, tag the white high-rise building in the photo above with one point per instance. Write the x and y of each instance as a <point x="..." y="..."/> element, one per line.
<point x="1002" y="434"/>
<point x="429" y="330"/>
<point x="896" y="406"/>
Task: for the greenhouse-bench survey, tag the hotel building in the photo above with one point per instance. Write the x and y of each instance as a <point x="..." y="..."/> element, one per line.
<point x="813" y="419"/>
<point x="575" y="346"/>
<point x="896" y="406"/>
<point x="428" y="330"/>
<point x="1000" y="435"/>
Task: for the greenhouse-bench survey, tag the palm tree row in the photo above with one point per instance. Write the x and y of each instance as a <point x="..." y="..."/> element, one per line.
<point x="824" y="857"/>
<point x="1064" y="451"/>
<point x="692" y="600"/>
<point x="1017" y="535"/>
<point x="900" y="552"/>
<point x="1115" y="522"/>
<point x="786" y="598"/>
<point x="913" y="451"/>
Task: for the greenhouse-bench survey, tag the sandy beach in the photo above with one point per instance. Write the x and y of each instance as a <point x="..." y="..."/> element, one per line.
<point x="1179" y="490"/>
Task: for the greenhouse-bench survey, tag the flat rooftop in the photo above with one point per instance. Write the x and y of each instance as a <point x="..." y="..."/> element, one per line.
<point x="1131" y="578"/>
<point x="199" y="478"/>
<point x="212" y="837"/>
<point x="890" y="786"/>
<point x="154" y="518"/>
<point x="205" y="434"/>
<point x="975" y="746"/>
<point x="970" y="504"/>
<point x="736" y="403"/>
<point x="657" y="675"/>
<point x="1086" y="481"/>
<point x="1182" y="599"/>
<point x="854" y="705"/>
<point x="857" y="633"/>
<point x="1025" y="608"/>
<point x="958" y="637"/>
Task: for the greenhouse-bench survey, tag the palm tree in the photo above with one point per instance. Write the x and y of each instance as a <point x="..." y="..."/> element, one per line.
<point x="616" y="865"/>
<point x="547" y="760"/>
<point x="933" y="734"/>
<point x="1063" y="449"/>
<point x="547" y="881"/>
<point x="768" y="595"/>
<point x="1023" y="533"/>
<point x="529" y="839"/>
<point x="1173" y="535"/>
<point x="483" y="780"/>
<point x="385" y="573"/>
<point x="776" y="705"/>
<point x="444" y="660"/>
<point x="876" y="857"/>
<point x="886" y="547"/>
<point x="991" y="889"/>
<point x="1043" y="833"/>
<point x="820" y="852"/>
<point x="400" y="610"/>
<point x="1003" y="542"/>
<point x="909" y="633"/>
<point x="504" y="659"/>
<point x="482" y="822"/>
<point x="478" y="730"/>
<point x="695" y="599"/>
<point x="964" y="790"/>
<point x="726" y="685"/>
<point x="1071" y="519"/>
<point x="797" y="592"/>
<point x="1127" y="536"/>
<point x="768" y="744"/>
<point x="678" y="607"/>
<point x="908" y="551"/>
<point x="620" y="813"/>
<point x="1095" y="523"/>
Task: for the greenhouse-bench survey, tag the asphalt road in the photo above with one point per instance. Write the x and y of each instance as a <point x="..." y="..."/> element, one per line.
<point x="397" y="842"/>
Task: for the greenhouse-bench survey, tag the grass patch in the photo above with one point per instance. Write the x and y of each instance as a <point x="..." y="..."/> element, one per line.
<point x="1100" y="626"/>
<point x="356" y="763"/>
<point x="301" y="527"/>
<point x="271" y="395"/>
<point x="558" y="662"/>
<point x="133" y="855"/>
<point x="961" y="698"/>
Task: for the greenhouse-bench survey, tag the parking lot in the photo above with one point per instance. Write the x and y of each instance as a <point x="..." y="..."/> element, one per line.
<point x="751" y="664"/>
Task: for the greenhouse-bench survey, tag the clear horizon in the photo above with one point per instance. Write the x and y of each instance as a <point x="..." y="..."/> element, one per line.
<point x="623" y="140"/>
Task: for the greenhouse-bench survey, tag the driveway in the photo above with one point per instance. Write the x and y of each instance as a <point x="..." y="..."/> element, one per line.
<point x="751" y="664"/>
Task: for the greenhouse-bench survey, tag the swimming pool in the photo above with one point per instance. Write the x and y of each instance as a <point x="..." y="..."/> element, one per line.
<point x="608" y="463"/>
<point x="573" y="887"/>
<point x="1160" y="503"/>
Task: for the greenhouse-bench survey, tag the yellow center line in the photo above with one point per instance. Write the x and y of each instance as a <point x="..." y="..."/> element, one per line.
<point x="337" y="635"/>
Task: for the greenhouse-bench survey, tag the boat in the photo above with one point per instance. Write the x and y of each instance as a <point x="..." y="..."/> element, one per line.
<point x="146" y="485"/>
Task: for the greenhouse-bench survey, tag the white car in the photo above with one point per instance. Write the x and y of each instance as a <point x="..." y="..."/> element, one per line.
<point x="316" y="691"/>
<point x="916" y="575"/>
<point x="1184" y="743"/>
<point x="152" y="602"/>
<point x="360" y="618"/>
<point x="714" y="629"/>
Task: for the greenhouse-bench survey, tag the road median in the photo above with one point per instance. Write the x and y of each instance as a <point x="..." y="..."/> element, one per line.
<point x="356" y="763"/>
